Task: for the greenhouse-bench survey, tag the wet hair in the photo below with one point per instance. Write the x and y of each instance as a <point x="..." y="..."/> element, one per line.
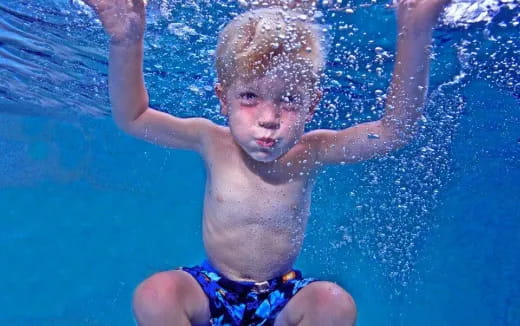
<point x="267" y="40"/>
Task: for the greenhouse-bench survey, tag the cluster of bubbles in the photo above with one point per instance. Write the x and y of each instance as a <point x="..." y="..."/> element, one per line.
<point x="397" y="194"/>
<point x="466" y="12"/>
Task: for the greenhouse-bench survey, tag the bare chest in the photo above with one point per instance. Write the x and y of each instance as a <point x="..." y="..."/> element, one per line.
<point x="240" y="198"/>
<point x="241" y="193"/>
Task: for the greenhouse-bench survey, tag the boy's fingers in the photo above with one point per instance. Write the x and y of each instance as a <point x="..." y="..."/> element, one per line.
<point x="95" y="4"/>
<point x="137" y="3"/>
<point x="89" y="3"/>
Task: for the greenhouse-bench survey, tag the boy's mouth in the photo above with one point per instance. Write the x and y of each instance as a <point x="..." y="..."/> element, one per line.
<point x="266" y="142"/>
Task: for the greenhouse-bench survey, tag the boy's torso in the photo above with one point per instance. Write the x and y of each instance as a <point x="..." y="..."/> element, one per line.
<point x="254" y="214"/>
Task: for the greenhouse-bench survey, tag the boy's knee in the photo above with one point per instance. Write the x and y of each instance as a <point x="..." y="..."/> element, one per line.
<point x="331" y="299"/>
<point x="156" y="296"/>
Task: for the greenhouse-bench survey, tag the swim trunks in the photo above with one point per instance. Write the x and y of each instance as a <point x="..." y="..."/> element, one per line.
<point x="246" y="303"/>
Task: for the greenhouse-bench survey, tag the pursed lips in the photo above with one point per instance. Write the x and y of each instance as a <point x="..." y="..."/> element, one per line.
<point x="266" y="142"/>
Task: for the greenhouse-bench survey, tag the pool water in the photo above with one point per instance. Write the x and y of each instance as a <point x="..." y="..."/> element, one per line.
<point x="425" y="236"/>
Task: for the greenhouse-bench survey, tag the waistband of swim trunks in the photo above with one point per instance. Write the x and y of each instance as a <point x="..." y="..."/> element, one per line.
<point x="259" y="287"/>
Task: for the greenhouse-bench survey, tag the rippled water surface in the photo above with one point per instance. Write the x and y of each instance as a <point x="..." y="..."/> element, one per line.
<point x="426" y="236"/>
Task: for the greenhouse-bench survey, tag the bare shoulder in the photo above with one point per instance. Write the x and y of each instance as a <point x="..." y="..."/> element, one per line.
<point x="313" y="140"/>
<point x="164" y="129"/>
<point x="216" y="134"/>
<point x="217" y="141"/>
<point x="302" y="157"/>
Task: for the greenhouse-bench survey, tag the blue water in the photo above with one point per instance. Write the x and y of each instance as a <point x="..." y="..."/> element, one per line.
<point x="429" y="235"/>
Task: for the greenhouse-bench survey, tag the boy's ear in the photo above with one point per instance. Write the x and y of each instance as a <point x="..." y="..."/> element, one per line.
<point x="315" y="101"/>
<point x="221" y="94"/>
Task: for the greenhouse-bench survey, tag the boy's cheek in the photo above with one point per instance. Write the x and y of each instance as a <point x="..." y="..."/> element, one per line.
<point x="246" y="114"/>
<point x="295" y="125"/>
<point x="242" y="117"/>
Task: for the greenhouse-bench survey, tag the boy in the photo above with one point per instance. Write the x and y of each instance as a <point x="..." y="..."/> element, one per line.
<point x="262" y="167"/>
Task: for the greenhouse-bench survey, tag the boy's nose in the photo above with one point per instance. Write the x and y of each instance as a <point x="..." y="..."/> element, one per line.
<point x="269" y="118"/>
<point x="269" y="124"/>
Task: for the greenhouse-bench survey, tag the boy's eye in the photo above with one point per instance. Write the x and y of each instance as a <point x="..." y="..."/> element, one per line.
<point x="293" y="99"/>
<point x="290" y="102"/>
<point x="247" y="95"/>
<point x="288" y="99"/>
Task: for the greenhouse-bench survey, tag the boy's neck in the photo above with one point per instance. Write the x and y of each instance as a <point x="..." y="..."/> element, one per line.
<point x="269" y="171"/>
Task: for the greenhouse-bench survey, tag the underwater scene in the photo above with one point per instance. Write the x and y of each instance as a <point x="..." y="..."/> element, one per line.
<point x="426" y="235"/>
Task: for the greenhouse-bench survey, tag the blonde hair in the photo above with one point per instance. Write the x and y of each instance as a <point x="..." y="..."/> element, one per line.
<point x="265" y="39"/>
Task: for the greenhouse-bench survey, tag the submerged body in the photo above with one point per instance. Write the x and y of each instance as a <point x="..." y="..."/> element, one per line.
<point x="260" y="169"/>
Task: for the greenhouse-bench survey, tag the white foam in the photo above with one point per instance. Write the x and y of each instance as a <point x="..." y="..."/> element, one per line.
<point x="465" y="12"/>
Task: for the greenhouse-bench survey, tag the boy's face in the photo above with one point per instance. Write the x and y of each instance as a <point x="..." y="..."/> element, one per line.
<point x="267" y="115"/>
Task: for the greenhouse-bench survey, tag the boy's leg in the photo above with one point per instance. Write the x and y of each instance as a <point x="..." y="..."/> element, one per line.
<point x="170" y="298"/>
<point x="319" y="303"/>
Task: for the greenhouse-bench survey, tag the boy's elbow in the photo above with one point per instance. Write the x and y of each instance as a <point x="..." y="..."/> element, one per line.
<point x="394" y="133"/>
<point x="125" y="122"/>
<point x="399" y="135"/>
<point x="130" y="127"/>
<point x="125" y="125"/>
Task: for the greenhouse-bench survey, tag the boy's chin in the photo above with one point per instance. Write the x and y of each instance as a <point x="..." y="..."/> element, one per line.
<point x="264" y="157"/>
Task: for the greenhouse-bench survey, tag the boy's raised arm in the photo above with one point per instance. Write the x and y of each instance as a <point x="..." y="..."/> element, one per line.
<point x="405" y="98"/>
<point x="124" y="21"/>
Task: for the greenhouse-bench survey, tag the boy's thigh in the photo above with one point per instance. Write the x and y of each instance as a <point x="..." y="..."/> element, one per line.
<point x="172" y="294"/>
<point x="318" y="298"/>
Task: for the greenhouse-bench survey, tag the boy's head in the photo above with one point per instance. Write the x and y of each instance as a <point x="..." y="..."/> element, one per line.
<point x="269" y="63"/>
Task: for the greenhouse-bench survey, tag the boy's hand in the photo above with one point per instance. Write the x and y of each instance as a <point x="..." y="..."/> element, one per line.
<point x="123" y="20"/>
<point x="419" y="14"/>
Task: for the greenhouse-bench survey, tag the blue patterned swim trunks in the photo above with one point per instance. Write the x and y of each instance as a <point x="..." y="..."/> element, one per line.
<point x="246" y="303"/>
